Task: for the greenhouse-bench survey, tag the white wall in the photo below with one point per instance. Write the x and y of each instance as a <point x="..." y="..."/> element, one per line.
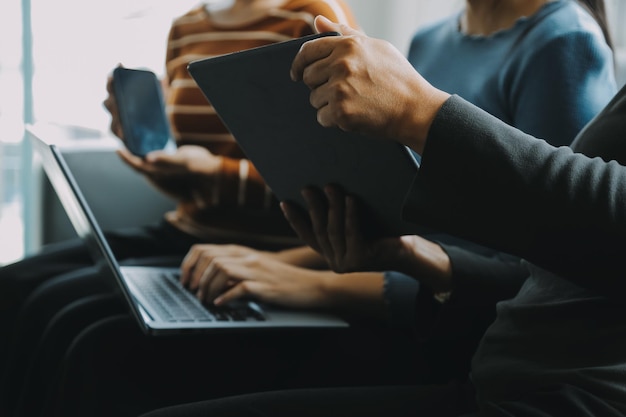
<point x="396" y="20"/>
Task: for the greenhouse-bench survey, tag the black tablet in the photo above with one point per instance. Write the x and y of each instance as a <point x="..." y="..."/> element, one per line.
<point x="275" y="125"/>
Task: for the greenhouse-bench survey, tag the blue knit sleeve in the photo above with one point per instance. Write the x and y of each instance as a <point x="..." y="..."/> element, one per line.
<point x="400" y="292"/>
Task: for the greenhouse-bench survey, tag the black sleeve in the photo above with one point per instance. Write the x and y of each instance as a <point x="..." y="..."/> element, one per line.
<point x="484" y="278"/>
<point x="485" y="181"/>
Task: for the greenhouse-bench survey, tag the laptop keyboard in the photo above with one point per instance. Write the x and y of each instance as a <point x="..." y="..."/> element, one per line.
<point x="172" y="303"/>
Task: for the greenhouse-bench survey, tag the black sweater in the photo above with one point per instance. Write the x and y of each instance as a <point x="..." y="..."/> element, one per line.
<point x="564" y="335"/>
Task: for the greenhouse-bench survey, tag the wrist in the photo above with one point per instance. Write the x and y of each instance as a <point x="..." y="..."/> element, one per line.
<point x="302" y="256"/>
<point x="329" y="292"/>
<point x="427" y="262"/>
<point x="360" y="293"/>
<point x="418" y="118"/>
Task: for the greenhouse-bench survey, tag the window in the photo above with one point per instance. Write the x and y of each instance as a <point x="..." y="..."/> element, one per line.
<point x="75" y="44"/>
<point x="74" y="54"/>
<point x="11" y="117"/>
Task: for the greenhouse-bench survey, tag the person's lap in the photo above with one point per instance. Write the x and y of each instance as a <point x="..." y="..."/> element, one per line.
<point x="364" y="355"/>
<point x="143" y="372"/>
<point x="157" y="371"/>
<point x="40" y="375"/>
<point x="39" y="324"/>
<point x="34" y="289"/>
<point x="560" y="400"/>
<point x="18" y="280"/>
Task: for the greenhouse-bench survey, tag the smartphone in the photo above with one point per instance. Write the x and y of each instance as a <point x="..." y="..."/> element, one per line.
<point x="141" y="108"/>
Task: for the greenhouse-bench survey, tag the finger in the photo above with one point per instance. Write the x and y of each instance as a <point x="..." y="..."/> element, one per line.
<point x="324" y="24"/>
<point x="319" y="98"/>
<point x="109" y="87"/>
<point x="138" y="164"/>
<point x="110" y="104"/>
<point x="336" y="222"/>
<point x="310" y="52"/>
<point x="318" y="73"/>
<point x="244" y="289"/>
<point x="187" y="265"/>
<point x="116" y="128"/>
<point x="310" y="63"/>
<point x="318" y="211"/>
<point x="232" y="294"/>
<point x="332" y="104"/>
<point x="220" y="278"/>
<point x="326" y="117"/>
<point x="142" y="165"/>
<point x="300" y="222"/>
<point x="131" y="160"/>
<point x="353" y="228"/>
<point x="202" y="271"/>
<point x="229" y="269"/>
<point x="160" y="157"/>
<point x="208" y="274"/>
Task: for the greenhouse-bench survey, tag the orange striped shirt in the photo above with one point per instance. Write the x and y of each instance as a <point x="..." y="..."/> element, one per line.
<point x="239" y="206"/>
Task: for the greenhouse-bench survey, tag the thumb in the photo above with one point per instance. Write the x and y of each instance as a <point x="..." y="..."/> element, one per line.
<point x="161" y="156"/>
<point x="323" y="24"/>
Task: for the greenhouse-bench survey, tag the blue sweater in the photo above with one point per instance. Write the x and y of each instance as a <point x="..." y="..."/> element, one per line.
<point x="548" y="75"/>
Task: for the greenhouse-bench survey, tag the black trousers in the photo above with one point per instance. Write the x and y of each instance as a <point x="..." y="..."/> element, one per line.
<point x="450" y="400"/>
<point x="111" y="368"/>
<point x="69" y="333"/>
<point x="92" y="359"/>
<point x="19" y="280"/>
<point x="33" y="291"/>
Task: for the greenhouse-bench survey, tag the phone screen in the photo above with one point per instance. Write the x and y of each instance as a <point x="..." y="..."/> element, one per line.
<point x="141" y="109"/>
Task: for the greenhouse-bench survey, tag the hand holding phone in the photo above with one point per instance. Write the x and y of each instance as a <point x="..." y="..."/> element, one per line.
<point x="139" y="99"/>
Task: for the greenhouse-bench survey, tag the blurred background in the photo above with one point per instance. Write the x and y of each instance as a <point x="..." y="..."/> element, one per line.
<point x="55" y="57"/>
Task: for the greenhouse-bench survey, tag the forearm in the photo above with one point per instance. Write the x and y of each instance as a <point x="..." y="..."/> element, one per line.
<point x="423" y="260"/>
<point x="302" y="256"/>
<point x="488" y="182"/>
<point x="356" y="294"/>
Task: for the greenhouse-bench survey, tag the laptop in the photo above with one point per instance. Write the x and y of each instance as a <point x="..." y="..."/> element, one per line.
<point x="155" y="297"/>
<point x="275" y="125"/>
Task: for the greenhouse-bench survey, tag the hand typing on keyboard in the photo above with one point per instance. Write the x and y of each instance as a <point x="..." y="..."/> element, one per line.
<point x="222" y="273"/>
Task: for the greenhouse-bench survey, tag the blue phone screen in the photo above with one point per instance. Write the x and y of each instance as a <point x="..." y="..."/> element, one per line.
<point x="142" y="113"/>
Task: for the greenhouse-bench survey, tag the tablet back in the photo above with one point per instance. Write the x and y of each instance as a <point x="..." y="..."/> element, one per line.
<point x="275" y="125"/>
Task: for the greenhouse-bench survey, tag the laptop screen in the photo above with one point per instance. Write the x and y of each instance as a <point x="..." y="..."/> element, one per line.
<point x="80" y="215"/>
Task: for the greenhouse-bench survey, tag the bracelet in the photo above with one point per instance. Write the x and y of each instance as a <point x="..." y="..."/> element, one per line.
<point x="442" y="297"/>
